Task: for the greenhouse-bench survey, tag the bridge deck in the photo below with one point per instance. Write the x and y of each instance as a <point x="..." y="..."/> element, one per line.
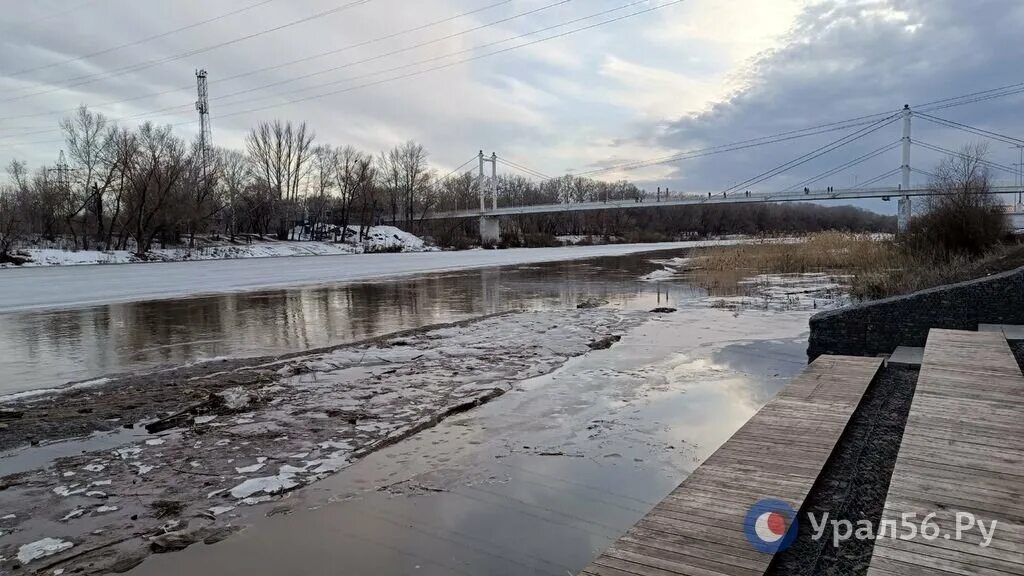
<point x="963" y="450"/>
<point x="698" y="529"/>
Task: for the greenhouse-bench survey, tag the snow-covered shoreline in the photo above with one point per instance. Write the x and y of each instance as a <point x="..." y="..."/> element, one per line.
<point x="378" y="238"/>
<point x="45" y="287"/>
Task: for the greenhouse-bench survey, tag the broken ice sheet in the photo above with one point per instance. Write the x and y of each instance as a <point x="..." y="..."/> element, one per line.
<point x="218" y="510"/>
<point x="42" y="549"/>
<point x="267" y="484"/>
<point x="249" y="469"/>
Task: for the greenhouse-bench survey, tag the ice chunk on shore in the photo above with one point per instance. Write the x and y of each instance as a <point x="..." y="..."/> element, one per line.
<point x="42" y="549"/>
<point x="267" y="484"/>
<point x="218" y="510"/>
<point x="248" y="469"/>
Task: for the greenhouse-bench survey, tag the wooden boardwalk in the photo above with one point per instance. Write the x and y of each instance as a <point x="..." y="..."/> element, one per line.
<point x="698" y="529"/>
<point x="963" y="450"/>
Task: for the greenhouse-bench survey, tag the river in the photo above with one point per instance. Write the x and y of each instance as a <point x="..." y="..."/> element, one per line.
<point x="535" y="482"/>
<point x="42" y="349"/>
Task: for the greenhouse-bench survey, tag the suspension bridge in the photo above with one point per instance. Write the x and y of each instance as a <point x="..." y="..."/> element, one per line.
<point x="490" y="212"/>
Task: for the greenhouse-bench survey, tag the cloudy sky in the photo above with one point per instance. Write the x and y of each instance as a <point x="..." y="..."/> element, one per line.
<point x="619" y="80"/>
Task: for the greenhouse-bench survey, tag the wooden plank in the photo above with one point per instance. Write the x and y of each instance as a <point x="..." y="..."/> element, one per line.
<point x="698" y="529"/>
<point x="961" y="452"/>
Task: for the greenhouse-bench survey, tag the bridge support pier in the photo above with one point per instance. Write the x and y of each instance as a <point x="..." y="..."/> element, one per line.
<point x="903" y="213"/>
<point x="490" y="230"/>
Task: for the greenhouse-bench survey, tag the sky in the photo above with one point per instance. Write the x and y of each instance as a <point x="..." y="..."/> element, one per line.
<point x="618" y="81"/>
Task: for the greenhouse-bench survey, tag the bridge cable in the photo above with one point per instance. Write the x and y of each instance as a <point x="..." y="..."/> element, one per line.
<point x="866" y="183"/>
<point x="931" y="175"/>
<point x="997" y="93"/>
<point x="835" y="144"/>
<point x="952" y="101"/>
<point x="971" y="129"/>
<point x="850" y="164"/>
<point x="982" y="161"/>
<point x="524" y="169"/>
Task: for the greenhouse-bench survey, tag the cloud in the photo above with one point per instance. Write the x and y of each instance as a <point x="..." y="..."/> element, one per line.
<point x="699" y="73"/>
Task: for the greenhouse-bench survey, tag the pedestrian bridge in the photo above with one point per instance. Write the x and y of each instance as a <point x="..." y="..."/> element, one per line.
<point x="708" y="199"/>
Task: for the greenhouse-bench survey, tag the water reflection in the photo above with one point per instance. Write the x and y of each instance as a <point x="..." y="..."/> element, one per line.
<point x="48" y="348"/>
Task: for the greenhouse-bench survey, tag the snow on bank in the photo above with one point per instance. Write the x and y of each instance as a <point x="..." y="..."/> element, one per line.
<point x="307" y="418"/>
<point x="377" y="238"/>
<point x="56" y="287"/>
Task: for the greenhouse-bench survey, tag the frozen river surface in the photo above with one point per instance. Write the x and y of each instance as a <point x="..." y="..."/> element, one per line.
<point x="74" y="286"/>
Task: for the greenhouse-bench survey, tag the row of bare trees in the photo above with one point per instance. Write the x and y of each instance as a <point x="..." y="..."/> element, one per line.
<point x="123" y="188"/>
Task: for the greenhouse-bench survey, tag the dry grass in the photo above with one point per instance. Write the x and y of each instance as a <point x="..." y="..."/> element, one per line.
<point x="878" y="267"/>
<point x="824" y="251"/>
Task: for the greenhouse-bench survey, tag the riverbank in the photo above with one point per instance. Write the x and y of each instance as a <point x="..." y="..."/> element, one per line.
<point x="376" y="239"/>
<point x="876" y="265"/>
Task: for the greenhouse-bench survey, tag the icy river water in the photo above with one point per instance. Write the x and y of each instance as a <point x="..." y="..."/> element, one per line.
<point x="47" y="348"/>
<point x="537" y="481"/>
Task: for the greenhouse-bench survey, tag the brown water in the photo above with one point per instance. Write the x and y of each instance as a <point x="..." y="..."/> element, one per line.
<point x="45" y="349"/>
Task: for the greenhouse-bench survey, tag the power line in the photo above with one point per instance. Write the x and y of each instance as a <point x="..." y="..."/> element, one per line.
<point x="455" y="63"/>
<point x="369" y="59"/>
<point x="51" y="16"/>
<point x="276" y="66"/>
<point x="88" y="79"/>
<point x="407" y="49"/>
<point x="403" y="66"/>
<point x="142" y="40"/>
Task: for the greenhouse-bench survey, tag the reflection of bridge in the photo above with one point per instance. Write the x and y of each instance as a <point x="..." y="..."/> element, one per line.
<point x="741" y="194"/>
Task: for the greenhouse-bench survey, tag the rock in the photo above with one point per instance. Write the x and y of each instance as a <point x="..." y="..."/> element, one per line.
<point x="663" y="310"/>
<point x="592" y="303"/>
<point x="604" y="343"/>
<point x="215" y="535"/>
<point x="172" y="541"/>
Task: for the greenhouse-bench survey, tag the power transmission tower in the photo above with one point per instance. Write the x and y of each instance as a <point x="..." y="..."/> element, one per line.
<point x="206" y="141"/>
<point x="205" y="134"/>
<point x="62" y="174"/>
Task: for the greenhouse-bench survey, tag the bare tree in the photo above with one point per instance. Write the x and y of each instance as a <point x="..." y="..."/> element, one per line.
<point x="87" y="136"/>
<point x="235" y="177"/>
<point x="964" y="216"/>
<point x="280" y="153"/>
<point x="160" y="168"/>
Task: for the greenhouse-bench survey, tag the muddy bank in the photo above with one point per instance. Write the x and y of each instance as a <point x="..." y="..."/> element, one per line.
<point x="126" y="400"/>
<point x="276" y="425"/>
